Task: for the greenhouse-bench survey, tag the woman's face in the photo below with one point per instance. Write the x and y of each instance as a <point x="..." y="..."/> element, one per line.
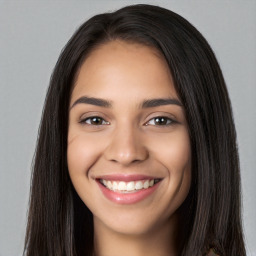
<point x="129" y="153"/>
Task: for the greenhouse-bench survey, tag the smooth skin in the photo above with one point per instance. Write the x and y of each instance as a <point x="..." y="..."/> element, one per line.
<point x="124" y="137"/>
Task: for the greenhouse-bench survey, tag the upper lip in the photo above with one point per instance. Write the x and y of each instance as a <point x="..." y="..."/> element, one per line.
<point x="126" y="177"/>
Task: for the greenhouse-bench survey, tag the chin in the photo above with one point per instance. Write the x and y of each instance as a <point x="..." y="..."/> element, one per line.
<point x="131" y="224"/>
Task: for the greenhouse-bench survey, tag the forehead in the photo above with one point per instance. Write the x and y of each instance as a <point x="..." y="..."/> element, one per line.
<point x="117" y="67"/>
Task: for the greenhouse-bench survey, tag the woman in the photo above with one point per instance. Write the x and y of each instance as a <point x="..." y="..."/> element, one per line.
<point x="137" y="147"/>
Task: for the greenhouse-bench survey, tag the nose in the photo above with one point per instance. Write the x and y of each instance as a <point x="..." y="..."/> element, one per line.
<point x="126" y="146"/>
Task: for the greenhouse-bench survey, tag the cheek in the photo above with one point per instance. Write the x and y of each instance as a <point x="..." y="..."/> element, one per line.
<point x="77" y="156"/>
<point x="173" y="150"/>
<point x="82" y="152"/>
<point x="178" y="162"/>
<point x="174" y="153"/>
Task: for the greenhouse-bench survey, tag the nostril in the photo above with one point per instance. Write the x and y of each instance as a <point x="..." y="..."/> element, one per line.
<point x="125" y="148"/>
<point x="126" y="161"/>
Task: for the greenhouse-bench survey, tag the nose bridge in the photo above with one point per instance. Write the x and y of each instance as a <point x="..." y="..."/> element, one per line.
<point x="126" y="145"/>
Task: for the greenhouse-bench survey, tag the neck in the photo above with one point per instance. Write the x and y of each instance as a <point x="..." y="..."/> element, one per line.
<point x="161" y="241"/>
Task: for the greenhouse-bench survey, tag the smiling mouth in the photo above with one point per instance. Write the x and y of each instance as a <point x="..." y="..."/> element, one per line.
<point x="128" y="187"/>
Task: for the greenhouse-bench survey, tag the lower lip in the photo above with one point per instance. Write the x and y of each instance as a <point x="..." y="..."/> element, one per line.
<point x="127" y="198"/>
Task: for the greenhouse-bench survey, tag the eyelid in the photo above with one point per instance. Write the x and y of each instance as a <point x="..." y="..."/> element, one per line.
<point x="83" y="121"/>
<point x="170" y="121"/>
<point x="91" y="115"/>
<point x="163" y="115"/>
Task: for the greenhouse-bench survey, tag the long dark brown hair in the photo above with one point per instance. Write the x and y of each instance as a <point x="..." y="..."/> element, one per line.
<point x="58" y="222"/>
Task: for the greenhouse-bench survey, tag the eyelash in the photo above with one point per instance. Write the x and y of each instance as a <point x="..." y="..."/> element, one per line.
<point x="84" y="121"/>
<point x="167" y="121"/>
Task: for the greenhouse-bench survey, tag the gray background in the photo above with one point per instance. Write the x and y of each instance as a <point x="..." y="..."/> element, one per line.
<point x="32" y="34"/>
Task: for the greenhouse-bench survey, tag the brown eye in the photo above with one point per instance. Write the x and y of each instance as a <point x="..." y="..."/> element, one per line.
<point x="95" y="120"/>
<point x="160" y="120"/>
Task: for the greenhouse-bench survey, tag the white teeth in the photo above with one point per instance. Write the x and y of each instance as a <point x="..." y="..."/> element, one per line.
<point x="146" y="184"/>
<point x="138" y="185"/>
<point x="109" y="184"/>
<point x="131" y="186"/>
<point x="115" y="185"/>
<point x="121" y="186"/>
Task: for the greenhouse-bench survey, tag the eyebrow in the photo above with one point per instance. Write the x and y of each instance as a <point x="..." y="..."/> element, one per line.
<point x="92" y="101"/>
<point x="160" y="102"/>
<point x="145" y="104"/>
